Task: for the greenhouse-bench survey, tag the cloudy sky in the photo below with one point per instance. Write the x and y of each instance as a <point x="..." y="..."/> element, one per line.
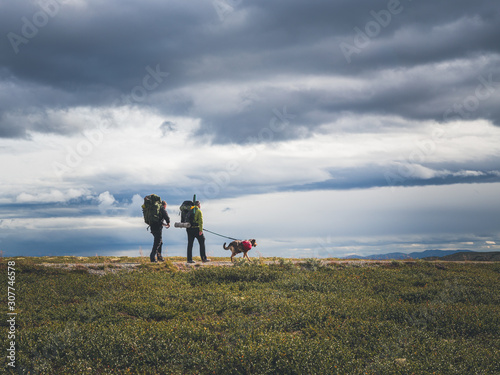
<point x="318" y="127"/>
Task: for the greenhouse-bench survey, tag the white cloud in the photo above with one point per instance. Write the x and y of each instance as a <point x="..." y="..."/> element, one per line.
<point x="468" y="173"/>
<point x="134" y="208"/>
<point x="120" y="155"/>
<point x="106" y="202"/>
<point x="52" y="196"/>
<point x="80" y="223"/>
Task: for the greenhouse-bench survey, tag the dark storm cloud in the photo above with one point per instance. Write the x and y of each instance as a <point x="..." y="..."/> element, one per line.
<point x="95" y="53"/>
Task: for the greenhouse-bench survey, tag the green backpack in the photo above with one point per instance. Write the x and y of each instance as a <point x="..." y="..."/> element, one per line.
<point x="151" y="209"/>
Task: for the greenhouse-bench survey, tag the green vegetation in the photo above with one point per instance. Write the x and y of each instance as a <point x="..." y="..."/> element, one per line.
<point x="490" y="256"/>
<point x="256" y="318"/>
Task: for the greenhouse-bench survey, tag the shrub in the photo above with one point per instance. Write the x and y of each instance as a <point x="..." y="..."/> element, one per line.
<point x="259" y="319"/>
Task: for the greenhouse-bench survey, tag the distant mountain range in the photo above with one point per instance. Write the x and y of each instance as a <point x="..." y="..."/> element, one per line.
<point x="436" y="254"/>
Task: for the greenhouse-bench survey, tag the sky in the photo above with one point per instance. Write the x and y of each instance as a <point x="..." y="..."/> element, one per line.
<point x="321" y="128"/>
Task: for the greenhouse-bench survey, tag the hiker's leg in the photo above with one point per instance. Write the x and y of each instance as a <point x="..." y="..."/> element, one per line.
<point x="158" y="252"/>
<point x="201" y="241"/>
<point x="190" y="245"/>
<point x="158" y="249"/>
<point x="156" y="245"/>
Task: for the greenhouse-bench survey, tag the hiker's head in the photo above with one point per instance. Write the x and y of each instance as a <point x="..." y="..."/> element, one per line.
<point x="164" y="204"/>
<point x="197" y="203"/>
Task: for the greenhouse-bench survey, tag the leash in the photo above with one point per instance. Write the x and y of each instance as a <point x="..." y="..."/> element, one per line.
<point x="220" y="235"/>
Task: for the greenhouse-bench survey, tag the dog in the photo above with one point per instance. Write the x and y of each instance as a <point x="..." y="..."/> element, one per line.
<point x="237" y="247"/>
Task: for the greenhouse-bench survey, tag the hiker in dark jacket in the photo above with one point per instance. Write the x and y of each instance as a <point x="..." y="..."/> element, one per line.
<point x="156" y="231"/>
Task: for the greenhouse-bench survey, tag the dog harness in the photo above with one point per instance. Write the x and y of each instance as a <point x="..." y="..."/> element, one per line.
<point x="246" y="245"/>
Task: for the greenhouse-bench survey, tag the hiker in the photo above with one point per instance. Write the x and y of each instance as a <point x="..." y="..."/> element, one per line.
<point x="156" y="229"/>
<point x="196" y="231"/>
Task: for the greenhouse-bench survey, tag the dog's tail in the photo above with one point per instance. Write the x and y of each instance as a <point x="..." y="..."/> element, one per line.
<point x="224" y="246"/>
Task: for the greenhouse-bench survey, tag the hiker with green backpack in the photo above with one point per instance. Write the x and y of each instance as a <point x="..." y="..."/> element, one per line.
<point x="191" y="214"/>
<point x="155" y="212"/>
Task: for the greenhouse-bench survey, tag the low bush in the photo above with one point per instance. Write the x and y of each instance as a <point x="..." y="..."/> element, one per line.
<point x="258" y="319"/>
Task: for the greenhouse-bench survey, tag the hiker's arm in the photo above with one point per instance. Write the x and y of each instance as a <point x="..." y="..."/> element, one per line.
<point x="198" y="219"/>
<point x="165" y="216"/>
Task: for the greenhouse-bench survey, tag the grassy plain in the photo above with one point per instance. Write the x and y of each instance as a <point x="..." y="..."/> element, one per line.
<point x="254" y="318"/>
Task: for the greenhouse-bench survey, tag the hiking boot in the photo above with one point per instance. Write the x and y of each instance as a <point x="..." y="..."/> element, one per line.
<point x="191" y="261"/>
<point x="154" y="261"/>
<point x="205" y="260"/>
<point x="160" y="259"/>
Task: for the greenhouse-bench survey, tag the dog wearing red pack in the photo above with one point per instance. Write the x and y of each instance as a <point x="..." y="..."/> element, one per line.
<point x="238" y="247"/>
